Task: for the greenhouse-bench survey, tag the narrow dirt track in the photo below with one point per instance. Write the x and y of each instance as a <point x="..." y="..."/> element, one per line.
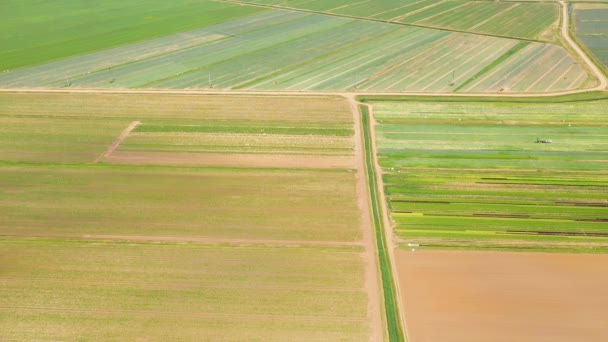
<point x="388" y="225"/>
<point x="118" y="141"/>
<point x="372" y="273"/>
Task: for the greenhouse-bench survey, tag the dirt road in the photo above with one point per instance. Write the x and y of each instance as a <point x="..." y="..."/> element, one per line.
<point x="372" y="273"/>
<point x="566" y="34"/>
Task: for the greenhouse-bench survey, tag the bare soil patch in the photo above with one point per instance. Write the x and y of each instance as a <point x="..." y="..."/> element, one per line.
<point x="502" y="296"/>
<point x="233" y="160"/>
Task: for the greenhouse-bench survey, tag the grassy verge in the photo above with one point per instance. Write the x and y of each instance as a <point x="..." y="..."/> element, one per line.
<point x="395" y="330"/>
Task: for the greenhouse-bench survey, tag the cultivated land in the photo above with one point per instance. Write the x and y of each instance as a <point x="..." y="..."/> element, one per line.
<point x="247" y="216"/>
<point x="591" y="27"/>
<point x="105" y="251"/>
<point x="498" y="296"/>
<point x="302" y="51"/>
<point x="518" y="20"/>
<point x="471" y="174"/>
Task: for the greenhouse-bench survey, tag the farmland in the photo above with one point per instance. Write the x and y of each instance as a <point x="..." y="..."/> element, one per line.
<point x="50" y="31"/>
<point x="471" y="174"/>
<point x="518" y="20"/>
<point x="99" y="248"/>
<point x="591" y="26"/>
<point x="499" y="296"/>
<point x="299" y="51"/>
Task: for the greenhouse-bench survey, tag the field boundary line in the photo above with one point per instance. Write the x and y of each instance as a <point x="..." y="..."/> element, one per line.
<point x="393" y="304"/>
<point x="212" y="240"/>
<point x="118" y="141"/>
<point x="372" y="273"/>
<point x="242" y="3"/>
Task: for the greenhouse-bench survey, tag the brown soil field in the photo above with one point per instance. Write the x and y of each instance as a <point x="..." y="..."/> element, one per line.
<point x="503" y="296"/>
<point x="232" y="160"/>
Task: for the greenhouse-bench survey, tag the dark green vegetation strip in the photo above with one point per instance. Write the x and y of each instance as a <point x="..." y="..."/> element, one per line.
<point x="391" y="306"/>
<point x="35" y="32"/>
<point x="150" y="128"/>
<point x="497" y="175"/>
<point x="495" y="63"/>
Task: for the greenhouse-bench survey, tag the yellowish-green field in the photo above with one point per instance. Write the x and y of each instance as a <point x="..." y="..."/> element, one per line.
<point x="77" y="290"/>
<point x="94" y="248"/>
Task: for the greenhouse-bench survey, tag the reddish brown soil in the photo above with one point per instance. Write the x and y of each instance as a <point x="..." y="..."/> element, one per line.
<point x="500" y="296"/>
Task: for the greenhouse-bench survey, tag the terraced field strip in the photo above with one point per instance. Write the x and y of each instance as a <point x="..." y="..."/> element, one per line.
<point x="591" y="27"/>
<point x="496" y="175"/>
<point x="259" y="52"/>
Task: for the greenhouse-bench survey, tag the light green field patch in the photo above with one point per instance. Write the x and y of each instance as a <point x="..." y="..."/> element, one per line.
<point x="477" y="174"/>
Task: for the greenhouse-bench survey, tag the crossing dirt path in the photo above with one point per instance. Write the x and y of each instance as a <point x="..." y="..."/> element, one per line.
<point x="118" y="141"/>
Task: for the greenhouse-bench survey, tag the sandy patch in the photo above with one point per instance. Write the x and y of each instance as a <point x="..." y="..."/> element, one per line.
<point x="500" y="296"/>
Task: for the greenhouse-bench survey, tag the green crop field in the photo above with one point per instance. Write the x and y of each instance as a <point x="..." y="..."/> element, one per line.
<point x="472" y="174"/>
<point x="52" y="30"/>
<point x="295" y="50"/>
<point x="519" y="20"/>
<point x="591" y="25"/>
<point x="96" y="250"/>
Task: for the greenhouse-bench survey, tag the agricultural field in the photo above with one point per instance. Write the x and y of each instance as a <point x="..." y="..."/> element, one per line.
<point x="591" y="26"/>
<point x="496" y="174"/>
<point x="298" y="51"/>
<point x="36" y="32"/>
<point x="517" y="20"/>
<point x="503" y="296"/>
<point x="97" y="248"/>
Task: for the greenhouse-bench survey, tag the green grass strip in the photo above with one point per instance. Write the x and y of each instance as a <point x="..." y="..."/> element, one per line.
<point x="395" y="331"/>
<point x="496" y="62"/>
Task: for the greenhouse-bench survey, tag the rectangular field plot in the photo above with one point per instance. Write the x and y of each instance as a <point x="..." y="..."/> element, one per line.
<point x="502" y="175"/>
<point x="255" y="131"/>
<point x="525" y="297"/>
<point x="295" y="50"/>
<point x="591" y="26"/>
<point x="77" y="201"/>
<point x="71" y="290"/>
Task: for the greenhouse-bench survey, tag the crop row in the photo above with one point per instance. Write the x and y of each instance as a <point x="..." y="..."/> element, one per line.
<point x="286" y="50"/>
<point x="475" y="172"/>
